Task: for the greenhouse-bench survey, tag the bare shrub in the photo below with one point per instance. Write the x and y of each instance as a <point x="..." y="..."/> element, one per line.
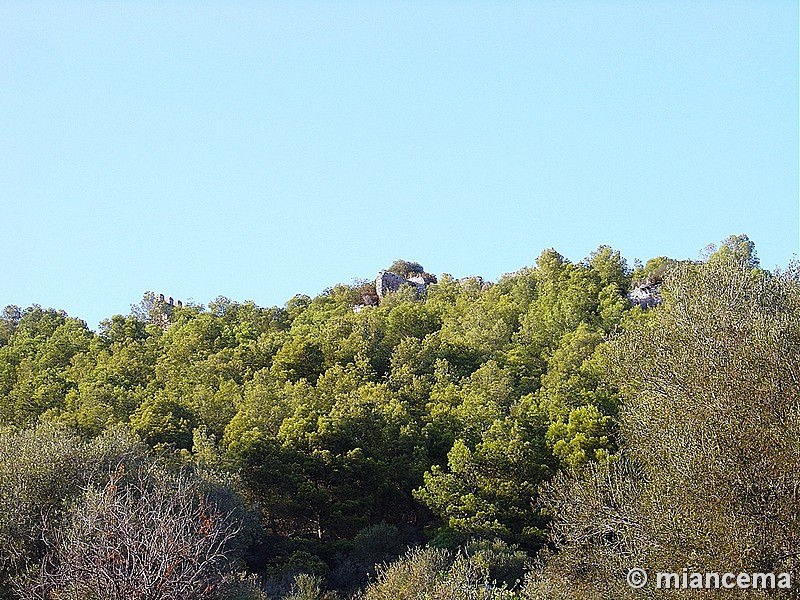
<point x="147" y="535"/>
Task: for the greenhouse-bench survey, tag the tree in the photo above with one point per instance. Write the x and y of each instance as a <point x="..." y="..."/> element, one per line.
<point x="164" y="420"/>
<point x="410" y="319"/>
<point x="37" y="361"/>
<point x="611" y="267"/>
<point x="490" y="491"/>
<point x="709" y="466"/>
<point x="405" y="268"/>
<point x="9" y="320"/>
<point x="39" y="470"/>
<point x="737" y="249"/>
<point x="581" y="437"/>
<point x="298" y="359"/>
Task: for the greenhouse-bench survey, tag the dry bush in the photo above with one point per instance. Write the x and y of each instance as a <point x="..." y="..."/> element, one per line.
<point x="146" y="535"/>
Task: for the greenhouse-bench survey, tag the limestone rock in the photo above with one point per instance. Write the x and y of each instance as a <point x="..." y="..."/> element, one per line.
<point x="646" y="295"/>
<point x="387" y="282"/>
<point x="422" y="279"/>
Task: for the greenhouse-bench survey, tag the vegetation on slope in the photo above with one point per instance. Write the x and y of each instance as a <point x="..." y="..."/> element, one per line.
<point x="539" y="417"/>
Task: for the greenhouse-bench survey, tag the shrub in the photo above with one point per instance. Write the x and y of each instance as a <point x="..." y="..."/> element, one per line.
<point x="147" y="535"/>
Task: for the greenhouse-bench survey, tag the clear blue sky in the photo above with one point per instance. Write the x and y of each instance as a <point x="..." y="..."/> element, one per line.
<point x="261" y="149"/>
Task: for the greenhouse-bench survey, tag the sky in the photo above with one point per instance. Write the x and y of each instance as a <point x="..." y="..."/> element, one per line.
<point x="257" y="150"/>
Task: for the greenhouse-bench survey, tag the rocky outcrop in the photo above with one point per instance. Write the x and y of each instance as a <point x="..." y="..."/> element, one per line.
<point x="387" y="282"/>
<point x="422" y="279"/>
<point x="645" y="294"/>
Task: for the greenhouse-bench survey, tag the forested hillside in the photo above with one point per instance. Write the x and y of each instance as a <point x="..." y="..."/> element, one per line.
<point x="541" y="433"/>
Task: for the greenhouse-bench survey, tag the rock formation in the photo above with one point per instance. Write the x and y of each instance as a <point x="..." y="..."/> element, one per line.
<point x="645" y="294"/>
<point x="387" y="282"/>
<point x="422" y="279"/>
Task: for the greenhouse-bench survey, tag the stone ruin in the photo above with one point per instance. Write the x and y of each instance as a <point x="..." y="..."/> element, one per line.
<point x="170" y="300"/>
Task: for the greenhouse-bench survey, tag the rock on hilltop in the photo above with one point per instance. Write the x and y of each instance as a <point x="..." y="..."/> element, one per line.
<point x="387" y="282"/>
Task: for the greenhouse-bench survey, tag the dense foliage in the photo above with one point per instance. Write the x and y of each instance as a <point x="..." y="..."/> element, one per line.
<point x="309" y="444"/>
